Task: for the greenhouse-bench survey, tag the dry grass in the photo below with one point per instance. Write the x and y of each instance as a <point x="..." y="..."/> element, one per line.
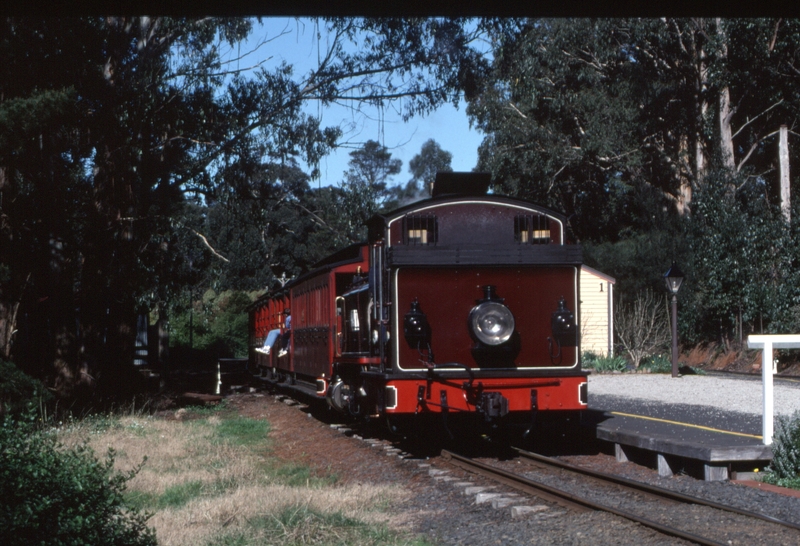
<point x="204" y="487"/>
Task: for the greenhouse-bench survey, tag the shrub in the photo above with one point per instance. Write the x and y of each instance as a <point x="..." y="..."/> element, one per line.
<point x="217" y="325"/>
<point x="611" y="364"/>
<point x="588" y="359"/>
<point x="18" y="391"/>
<point x="593" y="361"/>
<point x="785" y="466"/>
<point x="658" y="364"/>
<point x="53" y="495"/>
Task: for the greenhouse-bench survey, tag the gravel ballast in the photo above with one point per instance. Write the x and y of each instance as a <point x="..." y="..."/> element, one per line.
<point x="441" y="511"/>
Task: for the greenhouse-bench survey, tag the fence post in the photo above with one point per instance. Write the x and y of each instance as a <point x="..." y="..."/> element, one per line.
<point x="767" y="393"/>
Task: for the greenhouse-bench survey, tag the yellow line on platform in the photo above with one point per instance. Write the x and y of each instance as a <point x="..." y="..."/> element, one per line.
<point x="686" y="424"/>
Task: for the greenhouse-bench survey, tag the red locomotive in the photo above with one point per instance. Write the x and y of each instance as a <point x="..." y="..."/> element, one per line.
<point x="462" y="305"/>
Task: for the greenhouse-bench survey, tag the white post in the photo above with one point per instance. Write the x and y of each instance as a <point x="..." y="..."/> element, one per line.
<point x="766" y="387"/>
<point x="767" y="343"/>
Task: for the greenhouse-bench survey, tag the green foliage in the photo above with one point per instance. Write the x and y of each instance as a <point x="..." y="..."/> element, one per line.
<point x="601" y="119"/>
<point x="660" y="363"/>
<point x="603" y="363"/>
<point x="423" y="167"/>
<point x="216" y="323"/>
<point x="785" y="465"/>
<point x="637" y="260"/>
<point x="742" y="263"/>
<point x="139" y="159"/>
<point x="365" y="189"/>
<point x="50" y="494"/>
<point x="20" y="392"/>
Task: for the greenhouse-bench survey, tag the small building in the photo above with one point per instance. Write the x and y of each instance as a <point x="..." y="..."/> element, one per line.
<point x="597" y="312"/>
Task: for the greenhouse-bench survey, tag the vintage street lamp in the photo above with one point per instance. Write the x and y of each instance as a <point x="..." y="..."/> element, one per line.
<point x="674" y="278"/>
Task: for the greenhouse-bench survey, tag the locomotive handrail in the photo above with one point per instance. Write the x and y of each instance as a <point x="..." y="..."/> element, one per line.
<point x="446" y="365"/>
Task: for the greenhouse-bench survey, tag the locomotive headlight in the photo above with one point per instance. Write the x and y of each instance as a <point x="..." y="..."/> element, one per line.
<point x="491" y="323"/>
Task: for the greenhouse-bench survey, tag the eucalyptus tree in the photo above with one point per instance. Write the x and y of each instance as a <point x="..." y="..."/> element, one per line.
<point x="430" y="160"/>
<point x="598" y="117"/>
<point x="122" y="138"/>
<point x="658" y="139"/>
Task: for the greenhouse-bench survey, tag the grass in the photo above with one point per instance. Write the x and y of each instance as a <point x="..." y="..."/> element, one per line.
<point x="300" y="525"/>
<point x="209" y="478"/>
<point x="242" y="431"/>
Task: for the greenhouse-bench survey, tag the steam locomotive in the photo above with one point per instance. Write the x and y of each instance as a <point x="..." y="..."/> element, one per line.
<point x="463" y="308"/>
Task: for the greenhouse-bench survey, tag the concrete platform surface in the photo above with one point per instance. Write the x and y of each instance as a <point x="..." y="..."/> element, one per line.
<point x="682" y="425"/>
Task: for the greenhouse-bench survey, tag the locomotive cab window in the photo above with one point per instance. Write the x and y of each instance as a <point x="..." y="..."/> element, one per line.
<point x="532" y="229"/>
<point x="420" y="230"/>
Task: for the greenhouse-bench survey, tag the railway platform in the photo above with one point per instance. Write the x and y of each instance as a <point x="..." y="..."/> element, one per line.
<point x="705" y="426"/>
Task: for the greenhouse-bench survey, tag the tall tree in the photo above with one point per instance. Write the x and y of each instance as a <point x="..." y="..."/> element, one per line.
<point x="585" y="115"/>
<point x="126" y="128"/>
<point x="423" y="167"/>
<point x="366" y="186"/>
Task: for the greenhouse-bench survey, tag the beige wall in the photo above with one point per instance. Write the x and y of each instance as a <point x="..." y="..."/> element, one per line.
<point x="597" y="325"/>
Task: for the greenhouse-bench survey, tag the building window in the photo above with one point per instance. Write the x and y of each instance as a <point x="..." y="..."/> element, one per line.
<point x="420" y="230"/>
<point x="532" y="229"/>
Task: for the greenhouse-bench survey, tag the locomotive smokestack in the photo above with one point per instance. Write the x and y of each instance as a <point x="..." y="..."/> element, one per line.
<point x="468" y="184"/>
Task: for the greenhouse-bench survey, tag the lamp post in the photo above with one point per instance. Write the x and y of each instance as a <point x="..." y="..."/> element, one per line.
<point x="674" y="278"/>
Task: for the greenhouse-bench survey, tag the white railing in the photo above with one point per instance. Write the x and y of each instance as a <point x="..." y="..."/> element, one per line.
<point x="767" y="343"/>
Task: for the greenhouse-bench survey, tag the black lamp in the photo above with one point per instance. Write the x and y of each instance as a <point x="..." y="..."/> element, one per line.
<point x="673" y="278"/>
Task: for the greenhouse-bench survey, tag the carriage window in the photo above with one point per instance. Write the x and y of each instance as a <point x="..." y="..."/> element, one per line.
<point x="419" y="230"/>
<point x="533" y="229"/>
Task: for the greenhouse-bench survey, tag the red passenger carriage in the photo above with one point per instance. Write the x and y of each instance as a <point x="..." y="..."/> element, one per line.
<point x="464" y="305"/>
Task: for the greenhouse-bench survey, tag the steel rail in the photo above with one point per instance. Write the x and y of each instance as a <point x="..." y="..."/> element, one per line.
<point x="540" y="490"/>
<point x="652" y="490"/>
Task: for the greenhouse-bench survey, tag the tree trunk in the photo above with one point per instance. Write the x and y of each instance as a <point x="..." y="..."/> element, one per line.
<point x="8" y="319"/>
<point x="725" y="110"/>
<point x="725" y="132"/>
<point x="8" y="326"/>
<point x="685" y="184"/>
<point x="701" y="107"/>
<point x="783" y="153"/>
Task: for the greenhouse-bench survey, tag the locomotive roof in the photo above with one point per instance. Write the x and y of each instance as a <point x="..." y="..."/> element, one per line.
<point x="379" y="222"/>
<point x="451" y="198"/>
<point x="452" y="187"/>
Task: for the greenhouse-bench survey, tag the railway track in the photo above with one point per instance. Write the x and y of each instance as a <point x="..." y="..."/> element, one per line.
<point x="674" y="514"/>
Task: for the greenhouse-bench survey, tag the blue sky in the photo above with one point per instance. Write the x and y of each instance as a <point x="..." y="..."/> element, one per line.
<point x="448" y="126"/>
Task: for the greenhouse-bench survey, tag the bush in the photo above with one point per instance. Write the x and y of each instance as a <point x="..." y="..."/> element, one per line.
<point x="53" y="495"/>
<point x="658" y="364"/>
<point x="19" y="392"/>
<point x="588" y="359"/>
<point x="642" y="327"/>
<point x="217" y="325"/>
<point x="784" y="469"/>
<point x="604" y="363"/>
